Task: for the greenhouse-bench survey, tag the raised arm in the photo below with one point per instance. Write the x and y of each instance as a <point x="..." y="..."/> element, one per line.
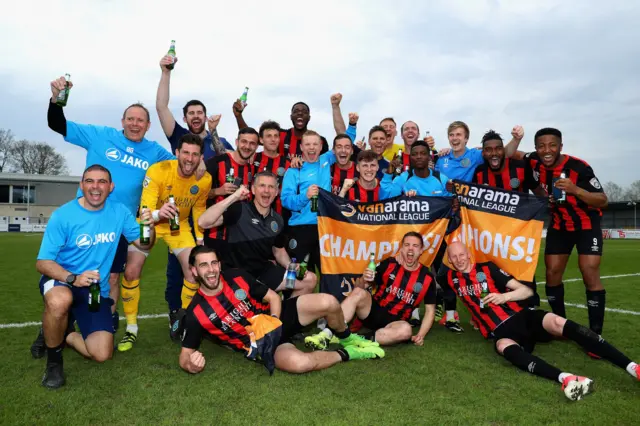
<point x="511" y="150"/>
<point x="338" y="121"/>
<point x="167" y="120"/>
<point x="238" y="108"/>
<point x="55" y="114"/>
<point x="213" y="216"/>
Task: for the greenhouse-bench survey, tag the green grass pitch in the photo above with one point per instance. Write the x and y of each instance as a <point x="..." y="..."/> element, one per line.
<point x="453" y="379"/>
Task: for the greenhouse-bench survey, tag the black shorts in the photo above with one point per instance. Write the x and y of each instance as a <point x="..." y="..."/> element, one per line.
<point x="290" y="321"/>
<point x="120" y="260"/>
<point x="378" y="317"/>
<point x="303" y="240"/>
<point x="525" y="328"/>
<point x="271" y="275"/>
<point x="587" y="241"/>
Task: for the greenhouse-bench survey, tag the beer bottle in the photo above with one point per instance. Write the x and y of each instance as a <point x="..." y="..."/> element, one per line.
<point x="243" y="97"/>
<point x="399" y="169"/>
<point x="314" y="203"/>
<point x="174" y="221"/>
<point x="230" y="177"/>
<point x="63" y="96"/>
<point x="303" y="267"/>
<point x="372" y="263"/>
<point x="483" y="293"/>
<point x="94" y="296"/>
<point x="145" y="230"/>
<point x="172" y="53"/>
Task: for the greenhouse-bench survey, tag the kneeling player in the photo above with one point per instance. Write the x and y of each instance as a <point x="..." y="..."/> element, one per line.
<point x="164" y="180"/>
<point x="516" y="329"/>
<point x="225" y="302"/>
<point x="77" y="251"/>
<point x="399" y="289"/>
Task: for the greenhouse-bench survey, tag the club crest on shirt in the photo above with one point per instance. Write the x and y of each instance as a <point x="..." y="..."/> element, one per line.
<point x="465" y="162"/>
<point x="280" y="171"/>
<point x="194" y="189"/>
<point x="293" y="244"/>
<point x="417" y="287"/>
<point x="240" y="294"/>
<point x="146" y="181"/>
<point x="481" y="276"/>
<point x="274" y="226"/>
<point x="515" y="182"/>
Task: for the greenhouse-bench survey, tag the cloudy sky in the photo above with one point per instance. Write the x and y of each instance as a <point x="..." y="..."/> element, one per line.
<point x="496" y="63"/>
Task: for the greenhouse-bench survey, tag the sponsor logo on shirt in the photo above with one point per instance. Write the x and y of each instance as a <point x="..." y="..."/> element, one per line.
<point x="114" y="154"/>
<point x="84" y="241"/>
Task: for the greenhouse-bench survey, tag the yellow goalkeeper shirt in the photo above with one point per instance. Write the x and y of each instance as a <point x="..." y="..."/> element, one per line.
<point x="162" y="179"/>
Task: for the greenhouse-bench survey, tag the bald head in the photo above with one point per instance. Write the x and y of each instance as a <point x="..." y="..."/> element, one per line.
<point x="459" y="256"/>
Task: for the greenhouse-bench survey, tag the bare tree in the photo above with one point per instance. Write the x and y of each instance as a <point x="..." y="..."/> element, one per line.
<point x="633" y="192"/>
<point x="6" y="145"/>
<point x="38" y="158"/>
<point x="614" y="191"/>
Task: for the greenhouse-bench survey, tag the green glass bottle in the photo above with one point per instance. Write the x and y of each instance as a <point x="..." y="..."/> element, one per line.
<point x="303" y="267"/>
<point x="63" y="96"/>
<point x="372" y="262"/>
<point x="172" y="53"/>
<point x="94" y="296"/>
<point x="230" y="177"/>
<point x="483" y="293"/>
<point x="145" y="231"/>
<point x="243" y="97"/>
<point x="174" y="222"/>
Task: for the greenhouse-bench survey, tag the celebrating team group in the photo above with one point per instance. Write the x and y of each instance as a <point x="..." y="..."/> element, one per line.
<point x="241" y="228"/>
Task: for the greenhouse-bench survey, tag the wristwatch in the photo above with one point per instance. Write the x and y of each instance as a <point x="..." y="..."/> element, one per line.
<point x="71" y="279"/>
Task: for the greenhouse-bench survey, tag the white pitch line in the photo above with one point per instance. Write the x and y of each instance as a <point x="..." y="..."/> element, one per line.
<point x="33" y="323"/>
<point x="152" y="316"/>
<point x="602" y="278"/>
<point x="619" y="311"/>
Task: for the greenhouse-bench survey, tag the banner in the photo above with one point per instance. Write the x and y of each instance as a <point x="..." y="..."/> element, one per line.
<point x="350" y="232"/>
<point x="501" y="226"/>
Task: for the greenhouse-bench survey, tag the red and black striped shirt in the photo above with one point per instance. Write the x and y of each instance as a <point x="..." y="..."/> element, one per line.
<point x="512" y="177"/>
<point x="276" y="165"/>
<point x="219" y="167"/>
<point x="290" y="144"/>
<point x="574" y="214"/>
<point x="362" y="195"/>
<point x="468" y="288"/>
<point x="338" y="176"/>
<point x="225" y="315"/>
<point x="399" y="291"/>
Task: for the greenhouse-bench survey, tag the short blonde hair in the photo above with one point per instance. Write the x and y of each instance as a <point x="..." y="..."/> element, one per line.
<point x="458" y="124"/>
<point x="309" y="133"/>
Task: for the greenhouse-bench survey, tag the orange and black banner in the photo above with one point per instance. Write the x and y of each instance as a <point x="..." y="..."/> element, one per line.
<point x="504" y="227"/>
<point x="350" y="232"/>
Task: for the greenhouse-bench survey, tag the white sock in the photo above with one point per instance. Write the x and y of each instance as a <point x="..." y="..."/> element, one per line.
<point x="451" y="315"/>
<point x="415" y="314"/>
<point x="328" y="333"/>
<point x="563" y="376"/>
<point x="631" y="368"/>
<point x="132" y="328"/>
